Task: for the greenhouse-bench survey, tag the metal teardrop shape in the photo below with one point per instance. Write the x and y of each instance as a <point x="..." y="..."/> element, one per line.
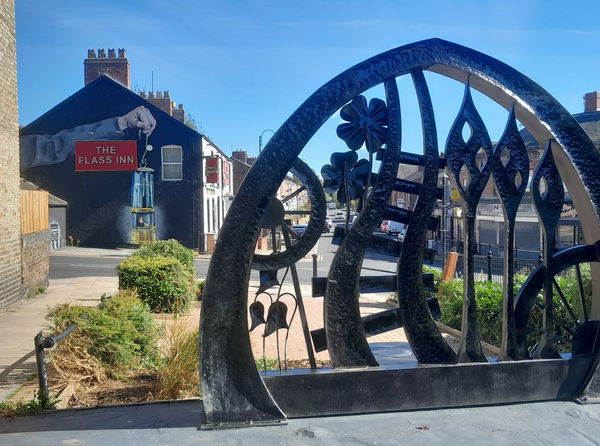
<point x="511" y="166"/>
<point x="505" y="156"/>
<point x="276" y="318"/>
<point x="467" y="132"/>
<point x="481" y="159"/>
<point x="257" y="314"/>
<point x="475" y="153"/>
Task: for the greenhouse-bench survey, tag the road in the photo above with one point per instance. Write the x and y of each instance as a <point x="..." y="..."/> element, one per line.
<point x="64" y="267"/>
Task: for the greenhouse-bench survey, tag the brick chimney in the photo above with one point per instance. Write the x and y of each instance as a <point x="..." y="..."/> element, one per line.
<point x="591" y="102"/>
<point x="115" y="65"/>
<point x="162" y="100"/>
<point x="241" y="155"/>
<point x="179" y="112"/>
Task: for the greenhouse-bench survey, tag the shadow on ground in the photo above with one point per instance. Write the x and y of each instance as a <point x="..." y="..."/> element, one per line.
<point x="159" y="415"/>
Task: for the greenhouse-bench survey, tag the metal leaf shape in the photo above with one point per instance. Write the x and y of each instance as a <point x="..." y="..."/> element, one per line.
<point x="267" y="279"/>
<point x="511" y="167"/>
<point x="257" y="314"/>
<point x="548" y="203"/>
<point x="460" y="152"/>
<point x="339" y="159"/>
<point x="276" y="318"/>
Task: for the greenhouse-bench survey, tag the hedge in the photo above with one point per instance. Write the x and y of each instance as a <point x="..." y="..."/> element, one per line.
<point x="168" y="248"/>
<point x="161" y="282"/>
<point x="489" y="298"/>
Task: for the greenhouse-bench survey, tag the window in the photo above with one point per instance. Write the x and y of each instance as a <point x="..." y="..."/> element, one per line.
<point x="172" y="163"/>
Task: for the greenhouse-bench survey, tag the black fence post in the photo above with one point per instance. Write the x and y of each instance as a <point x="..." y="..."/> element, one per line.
<point x="40" y="359"/>
<point x="314" y="258"/>
<point x="489" y="263"/>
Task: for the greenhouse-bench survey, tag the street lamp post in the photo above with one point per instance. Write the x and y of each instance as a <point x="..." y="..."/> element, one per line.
<point x="260" y="139"/>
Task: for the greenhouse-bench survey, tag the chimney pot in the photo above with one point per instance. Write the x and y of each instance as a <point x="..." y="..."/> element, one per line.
<point x="591" y="102"/>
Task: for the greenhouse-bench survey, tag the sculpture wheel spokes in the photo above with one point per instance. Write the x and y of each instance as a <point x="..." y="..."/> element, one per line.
<point x="572" y="329"/>
<point x="302" y="196"/>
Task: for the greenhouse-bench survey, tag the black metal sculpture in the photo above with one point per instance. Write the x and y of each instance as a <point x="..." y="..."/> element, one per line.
<point x="236" y="394"/>
<point x="425" y="339"/>
<point x="470" y="163"/>
<point x="511" y="175"/>
<point x="548" y="197"/>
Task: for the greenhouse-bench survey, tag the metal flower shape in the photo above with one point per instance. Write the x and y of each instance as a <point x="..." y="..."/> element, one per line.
<point x="366" y="124"/>
<point x="333" y="175"/>
<point x="257" y="314"/>
<point x="276" y="318"/>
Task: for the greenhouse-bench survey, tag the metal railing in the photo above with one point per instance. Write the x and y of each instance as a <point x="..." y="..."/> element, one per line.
<point x="41" y="344"/>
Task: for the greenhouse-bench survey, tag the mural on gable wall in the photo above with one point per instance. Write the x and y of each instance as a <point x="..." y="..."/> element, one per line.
<point x="107" y="145"/>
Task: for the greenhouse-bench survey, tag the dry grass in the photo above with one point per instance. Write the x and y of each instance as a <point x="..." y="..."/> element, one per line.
<point x="72" y="362"/>
<point x="178" y="372"/>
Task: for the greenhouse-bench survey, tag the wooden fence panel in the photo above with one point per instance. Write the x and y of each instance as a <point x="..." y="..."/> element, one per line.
<point x="34" y="211"/>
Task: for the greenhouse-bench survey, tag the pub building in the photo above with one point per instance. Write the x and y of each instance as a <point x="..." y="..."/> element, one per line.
<point x="126" y="163"/>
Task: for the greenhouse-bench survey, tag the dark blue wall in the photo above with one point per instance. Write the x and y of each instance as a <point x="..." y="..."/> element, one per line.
<point x="98" y="201"/>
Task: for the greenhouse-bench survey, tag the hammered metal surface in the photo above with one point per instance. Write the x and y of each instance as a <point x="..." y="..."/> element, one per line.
<point x="470" y="164"/>
<point x="425" y="339"/>
<point x="511" y="164"/>
<point x="345" y="335"/>
<point x="318" y="212"/>
<point x="548" y="205"/>
<point x="234" y="393"/>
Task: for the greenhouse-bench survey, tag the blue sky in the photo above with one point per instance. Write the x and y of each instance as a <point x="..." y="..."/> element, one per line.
<point x="241" y="67"/>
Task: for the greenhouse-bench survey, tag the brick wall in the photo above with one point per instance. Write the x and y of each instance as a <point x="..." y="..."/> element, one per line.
<point x="35" y="257"/>
<point x="10" y="227"/>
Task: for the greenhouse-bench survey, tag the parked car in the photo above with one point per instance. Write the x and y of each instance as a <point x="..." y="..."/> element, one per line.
<point x="401" y="235"/>
<point x="328" y="225"/>
<point x="394" y="228"/>
<point x="383" y="227"/>
<point x="340" y="215"/>
<point x="299" y="229"/>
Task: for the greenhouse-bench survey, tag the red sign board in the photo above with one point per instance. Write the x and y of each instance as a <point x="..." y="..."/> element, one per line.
<point x="226" y="172"/>
<point x="105" y="155"/>
<point x="212" y="170"/>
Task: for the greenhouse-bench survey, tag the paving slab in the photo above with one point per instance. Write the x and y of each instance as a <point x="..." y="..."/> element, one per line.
<point x="176" y="423"/>
<point x="22" y="321"/>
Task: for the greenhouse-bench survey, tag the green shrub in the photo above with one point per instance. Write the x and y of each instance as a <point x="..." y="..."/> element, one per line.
<point x="200" y="289"/>
<point x="120" y="332"/>
<point x="489" y="297"/>
<point x="168" y="248"/>
<point x="161" y="282"/>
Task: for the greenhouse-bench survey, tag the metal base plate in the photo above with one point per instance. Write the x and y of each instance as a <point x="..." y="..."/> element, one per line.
<point x="305" y="393"/>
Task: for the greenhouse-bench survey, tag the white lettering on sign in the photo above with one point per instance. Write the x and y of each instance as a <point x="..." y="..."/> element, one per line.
<point x="106" y="149"/>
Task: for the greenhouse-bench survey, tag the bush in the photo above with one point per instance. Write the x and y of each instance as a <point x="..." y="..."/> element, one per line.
<point x="120" y="333"/>
<point x="489" y="297"/>
<point x="161" y="282"/>
<point x="168" y="248"/>
<point x="200" y="289"/>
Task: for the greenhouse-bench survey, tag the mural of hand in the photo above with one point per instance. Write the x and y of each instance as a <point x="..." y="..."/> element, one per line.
<point x="139" y="117"/>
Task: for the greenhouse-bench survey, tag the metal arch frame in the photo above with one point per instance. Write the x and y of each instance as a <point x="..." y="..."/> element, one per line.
<point x="234" y="393"/>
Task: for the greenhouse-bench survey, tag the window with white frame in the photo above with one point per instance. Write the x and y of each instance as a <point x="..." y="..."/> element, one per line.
<point x="172" y="158"/>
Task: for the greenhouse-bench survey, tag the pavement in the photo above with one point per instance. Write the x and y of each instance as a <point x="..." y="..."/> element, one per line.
<point x="547" y="423"/>
<point x="176" y="423"/>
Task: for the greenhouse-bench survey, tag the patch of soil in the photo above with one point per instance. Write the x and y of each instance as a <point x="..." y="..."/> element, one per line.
<point x="139" y="387"/>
